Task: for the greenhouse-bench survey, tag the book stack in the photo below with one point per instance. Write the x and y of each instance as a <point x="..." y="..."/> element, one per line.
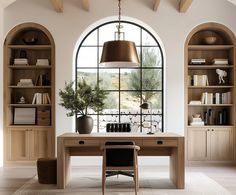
<point x="25" y="82"/>
<point x="197" y="121"/>
<point x="195" y="102"/>
<point x="42" y="62"/>
<point x="217" y="98"/>
<point x="199" y="80"/>
<point x="41" y="98"/>
<point x="220" y="61"/>
<point x="198" y="61"/>
<point x="21" y="61"/>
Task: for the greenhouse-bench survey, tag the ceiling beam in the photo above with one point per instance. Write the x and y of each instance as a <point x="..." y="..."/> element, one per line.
<point x="184" y="5"/>
<point x="58" y="5"/>
<point x="86" y="5"/>
<point x="156" y="5"/>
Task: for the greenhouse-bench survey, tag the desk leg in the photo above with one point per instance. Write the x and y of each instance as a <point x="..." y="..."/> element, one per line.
<point x="63" y="164"/>
<point x="177" y="170"/>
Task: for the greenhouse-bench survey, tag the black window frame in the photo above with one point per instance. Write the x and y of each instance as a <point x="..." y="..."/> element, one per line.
<point x="139" y="68"/>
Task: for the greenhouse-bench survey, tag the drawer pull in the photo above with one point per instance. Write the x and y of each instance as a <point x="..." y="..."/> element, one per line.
<point x="81" y="142"/>
<point x="159" y="142"/>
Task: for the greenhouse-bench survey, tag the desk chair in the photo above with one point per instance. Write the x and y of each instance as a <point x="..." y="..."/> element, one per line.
<point x="120" y="158"/>
<point x="118" y="128"/>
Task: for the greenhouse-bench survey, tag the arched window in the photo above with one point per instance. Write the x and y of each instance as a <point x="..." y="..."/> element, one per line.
<point x="128" y="87"/>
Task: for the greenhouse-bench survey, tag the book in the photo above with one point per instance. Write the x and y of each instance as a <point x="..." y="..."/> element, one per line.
<point x="42" y="62"/>
<point x="34" y="99"/>
<point x="198" y="61"/>
<point x="220" y="61"/>
<point x="192" y="102"/>
<point x="201" y="123"/>
<point x="21" y="61"/>
<point x="200" y="80"/>
<point x="48" y="98"/>
<point x="217" y="98"/>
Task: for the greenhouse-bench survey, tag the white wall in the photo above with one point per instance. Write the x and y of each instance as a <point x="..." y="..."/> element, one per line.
<point x="1" y="86"/>
<point x="171" y="26"/>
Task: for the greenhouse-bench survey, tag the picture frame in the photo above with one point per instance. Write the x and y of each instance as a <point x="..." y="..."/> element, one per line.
<point x="24" y="116"/>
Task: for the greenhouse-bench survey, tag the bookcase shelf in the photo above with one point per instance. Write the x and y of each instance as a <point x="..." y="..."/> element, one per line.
<point x="211" y="126"/>
<point x="211" y="87"/>
<point x="29" y="105"/>
<point x="210" y="137"/>
<point x="209" y="66"/>
<point x="29" y="67"/>
<point x="34" y="137"/>
<point x="29" y="87"/>
<point x="209" y="105"/>
<point x="210" y="47"/>
<point x="37" y="47"/>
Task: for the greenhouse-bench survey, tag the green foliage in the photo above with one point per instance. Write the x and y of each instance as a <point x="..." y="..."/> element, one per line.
<point x="78" y="101"/>
<point x="150" y="77"/>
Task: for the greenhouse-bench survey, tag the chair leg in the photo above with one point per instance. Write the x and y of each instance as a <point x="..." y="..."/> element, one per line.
<point x="136" y="180"/>
<point x="103" y="181"/>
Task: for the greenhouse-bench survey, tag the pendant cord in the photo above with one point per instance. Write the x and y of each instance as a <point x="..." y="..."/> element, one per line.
<point x="119" y="26"/>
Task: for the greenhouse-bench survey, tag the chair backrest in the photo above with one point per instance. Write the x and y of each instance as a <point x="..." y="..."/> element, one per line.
<point x="118" y="127"/>
<point x="119" y="154"/>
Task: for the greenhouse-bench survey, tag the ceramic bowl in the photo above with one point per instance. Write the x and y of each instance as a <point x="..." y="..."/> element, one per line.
<point x="30" y="40"/>
<point x="210" y="40"/>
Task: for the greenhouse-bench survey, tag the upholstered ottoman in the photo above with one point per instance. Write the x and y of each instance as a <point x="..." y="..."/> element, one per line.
<point x="47" y="170"/>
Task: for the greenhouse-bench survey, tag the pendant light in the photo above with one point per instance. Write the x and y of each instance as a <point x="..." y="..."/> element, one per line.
<point x="119" y="53"/>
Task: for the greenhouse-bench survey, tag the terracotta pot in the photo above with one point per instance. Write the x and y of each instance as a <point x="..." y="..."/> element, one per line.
<point x="84" y="124"/>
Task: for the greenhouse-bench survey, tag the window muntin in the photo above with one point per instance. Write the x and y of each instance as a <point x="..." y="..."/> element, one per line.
<point x="127" y="87"/>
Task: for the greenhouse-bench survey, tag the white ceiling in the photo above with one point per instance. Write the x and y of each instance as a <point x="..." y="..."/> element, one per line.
<point x="232" y="1"/>
<point x="5" y="3"/>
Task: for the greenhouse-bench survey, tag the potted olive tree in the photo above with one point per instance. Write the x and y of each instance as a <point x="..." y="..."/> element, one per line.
<point x="78" y="100"/>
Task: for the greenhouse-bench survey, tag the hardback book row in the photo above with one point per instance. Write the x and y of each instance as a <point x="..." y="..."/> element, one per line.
<point x="41" y="98"/>
<point x="198" y="80"/>
<point x="216" y="98"/>
<point x="42" y="80"/>
<point x="215" y="61"/>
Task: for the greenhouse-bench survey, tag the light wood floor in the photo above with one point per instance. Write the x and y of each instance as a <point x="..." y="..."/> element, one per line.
<point x="13" y="178"/>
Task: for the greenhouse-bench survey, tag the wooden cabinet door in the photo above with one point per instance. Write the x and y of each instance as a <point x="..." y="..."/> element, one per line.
<point x="221" y="144"/>
<point x="198" y="144"/>
<point x="19" y="144"/>
<point x="40" y="141"/>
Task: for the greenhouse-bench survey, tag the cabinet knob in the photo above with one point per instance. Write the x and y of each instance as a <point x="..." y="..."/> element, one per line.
<point x="81" y="142"/>
<point x="208" y="129"/>
<point x="212" y="130"/>
<point x="159" y="142"/>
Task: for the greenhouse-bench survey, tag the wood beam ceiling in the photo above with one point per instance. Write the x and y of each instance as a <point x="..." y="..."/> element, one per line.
<point x="156" y="5"/>
<point x="86" y="5"/>
<point x="58" y="5"/>
<point x="184" y="5"/>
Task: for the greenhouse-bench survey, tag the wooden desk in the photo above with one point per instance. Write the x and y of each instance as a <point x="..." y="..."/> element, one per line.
<point x="162" y="144"/>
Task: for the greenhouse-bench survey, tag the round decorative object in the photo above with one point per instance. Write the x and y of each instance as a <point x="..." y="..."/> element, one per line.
<point x="84" y="124"/>
<point x="210" y="40"/>
<point x="30" y="40"/>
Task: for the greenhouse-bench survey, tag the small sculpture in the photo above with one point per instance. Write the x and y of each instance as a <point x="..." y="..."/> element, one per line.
<point x="221" y="74"/>
<point x="22" y="100"/>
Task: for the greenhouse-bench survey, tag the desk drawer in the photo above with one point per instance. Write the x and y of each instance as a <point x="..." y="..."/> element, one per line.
<point x="82" y="142"/>
<point x="160" y="142"/>
<point x="137" y="142"/>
